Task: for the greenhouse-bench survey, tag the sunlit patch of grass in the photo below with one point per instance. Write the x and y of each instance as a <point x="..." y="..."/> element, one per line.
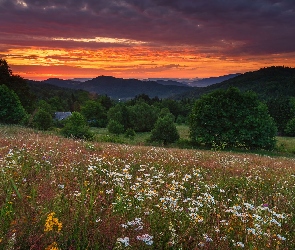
<point x="183" y="131"/>
<point x="58" y="193"/>
<point x="102" y="135"/>
<point x="286" y="144"/>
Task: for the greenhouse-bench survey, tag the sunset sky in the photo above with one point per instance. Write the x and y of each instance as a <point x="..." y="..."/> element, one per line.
<point x="145" y="38"/>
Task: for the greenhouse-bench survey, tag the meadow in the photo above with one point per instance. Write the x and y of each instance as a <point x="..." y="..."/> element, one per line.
<point x="58" y="193"/>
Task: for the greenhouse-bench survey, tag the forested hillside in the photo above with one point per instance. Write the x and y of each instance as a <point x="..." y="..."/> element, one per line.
<point x="271" y="82"/>
<point x="119" y="88"/>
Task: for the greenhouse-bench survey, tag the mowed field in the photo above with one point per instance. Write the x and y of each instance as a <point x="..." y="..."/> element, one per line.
<point x="58" y="193"/>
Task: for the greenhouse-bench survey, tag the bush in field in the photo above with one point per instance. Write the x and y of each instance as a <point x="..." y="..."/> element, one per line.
<point x="76" y="126"/>
<point x="95" y="113"/>
<point x="11" y="109"/>
<point x="42" y="120"/>
<point x="142" y="117"/>
<point x="130" y="133"/>
<point x="290" y="128"/>
<point x="282" y="111"/>
<point x="166" y="112"/>
<point x="115" y="127"/>
<point x="232" y="119"/>
<point x="120" y="114"/>
<point x="164" y="131"/>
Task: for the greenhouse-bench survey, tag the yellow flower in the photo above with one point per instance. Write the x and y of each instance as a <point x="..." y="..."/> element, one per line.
<point x="52" y="246"/>
<point x="52" y="221"/>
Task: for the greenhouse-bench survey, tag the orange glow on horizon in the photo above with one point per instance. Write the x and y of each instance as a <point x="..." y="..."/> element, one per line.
<point x="131" y="62"/>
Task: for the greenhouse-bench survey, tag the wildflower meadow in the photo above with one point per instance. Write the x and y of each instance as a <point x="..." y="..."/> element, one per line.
<point x="58" y="193"/>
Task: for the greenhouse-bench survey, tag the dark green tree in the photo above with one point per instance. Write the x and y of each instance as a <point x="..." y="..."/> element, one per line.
<point x="121" y="114"/>
<point x="230" y="118"/>
<point x="130" y="133"/>
<point x="94" y="113"/>
<point x="141" y="98"/>
<point x="165" y="130"/>
<point x="281" y="110"/>
<point x="290" y="127"/>
<point x="76" y="127"/>
<point x="5" y="70"/>
<point x="42" y="120"/>
<point x="42" y="104"/>
<point x="166" y="112"/>
<point x="11" y="109"/>
<point x="142" y="117"/>
<point x="17" y="84"/>
<point x="115" y="127"/>
<point x="57" y="104"/>
<point x="105" y="101"/>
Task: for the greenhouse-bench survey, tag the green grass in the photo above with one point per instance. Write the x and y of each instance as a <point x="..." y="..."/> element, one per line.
<point x="286" y="144"/>
<point x="141" y="138"/>
<point x="102" y="135"/>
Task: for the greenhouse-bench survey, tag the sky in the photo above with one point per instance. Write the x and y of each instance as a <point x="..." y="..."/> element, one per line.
<point x="145" y="38"/>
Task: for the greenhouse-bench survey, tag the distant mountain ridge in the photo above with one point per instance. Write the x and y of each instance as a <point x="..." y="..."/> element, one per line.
<point x="212" y="80"/>
<point x="194" y="82"/>
<point x="171" y="83"/>
<point x="119" y="88"/>
<point x="267" y="82"/>
<point x="270" y="82"/>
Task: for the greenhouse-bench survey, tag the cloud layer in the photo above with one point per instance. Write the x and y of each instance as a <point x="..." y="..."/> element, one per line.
<point x="208" y="28"/>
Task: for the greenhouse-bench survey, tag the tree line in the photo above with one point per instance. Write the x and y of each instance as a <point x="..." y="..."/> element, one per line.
<point x="223" y="118"/>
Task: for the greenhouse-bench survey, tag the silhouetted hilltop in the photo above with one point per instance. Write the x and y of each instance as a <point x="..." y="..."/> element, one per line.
<point x="119" y="88"/>
<point x="268" y="82"/>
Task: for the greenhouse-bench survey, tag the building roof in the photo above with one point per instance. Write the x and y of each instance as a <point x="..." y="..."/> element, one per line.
<point x="62" y="115"/>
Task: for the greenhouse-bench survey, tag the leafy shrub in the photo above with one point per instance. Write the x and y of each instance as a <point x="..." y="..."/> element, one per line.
<point x="76" y="126"/>
<point x="120" y="114"/>
<point x="115" y="127"/>
<point x="290" y="128"/>
<point x="130" y="133"/>
<point x="229" y="118"/>
<point x="142" y="117"/>
<point x="95" y="113"/>
<point x="42" y="120"/>
<point x="11" y="109"/>
<point x="111" y="138"/>
<point x="164" y="131"/>
<point x="282" y="111"/>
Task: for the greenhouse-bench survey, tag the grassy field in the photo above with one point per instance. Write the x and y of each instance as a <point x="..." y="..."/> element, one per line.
<point x="285" y="145"/>
<point x="58" y="193"/>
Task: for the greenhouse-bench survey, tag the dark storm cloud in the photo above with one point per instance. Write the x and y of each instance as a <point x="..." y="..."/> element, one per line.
<point x="229" y="26"/>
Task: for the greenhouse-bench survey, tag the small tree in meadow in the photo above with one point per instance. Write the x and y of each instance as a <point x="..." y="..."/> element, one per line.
<point x="142" y="117"/>
<point x="120" y="114"/>
<point x="115" y="127"/>
<point x="164" y="131"/>
<point x="95" y="114"/>
<point x="42" y="120"/>
<point x="76" y="127"/>
<point x="290" y="128"/>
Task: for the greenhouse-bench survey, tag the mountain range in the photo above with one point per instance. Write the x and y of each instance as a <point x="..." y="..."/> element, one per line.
<point x="267" y="82"/>
<point x="119" y="88"/>
<point x="270" y="82"/>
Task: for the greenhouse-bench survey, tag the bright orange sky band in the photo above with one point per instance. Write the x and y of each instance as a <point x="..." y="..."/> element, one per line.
<point x="138" y="62"/>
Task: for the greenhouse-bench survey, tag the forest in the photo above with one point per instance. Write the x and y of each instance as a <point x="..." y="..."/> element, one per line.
<point x="37" y="105"/>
